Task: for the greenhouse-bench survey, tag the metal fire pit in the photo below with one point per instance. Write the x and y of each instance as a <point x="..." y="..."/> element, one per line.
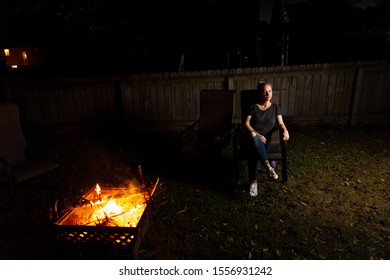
<point x="123" y="237"/>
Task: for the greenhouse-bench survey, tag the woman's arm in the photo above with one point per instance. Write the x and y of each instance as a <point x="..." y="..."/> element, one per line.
<point x="286" y="135"/>
<point x="252" y="131"/>
<point x="248" y="123"/>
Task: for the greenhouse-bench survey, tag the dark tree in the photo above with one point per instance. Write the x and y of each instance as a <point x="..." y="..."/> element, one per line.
<point x="337" y="31"/>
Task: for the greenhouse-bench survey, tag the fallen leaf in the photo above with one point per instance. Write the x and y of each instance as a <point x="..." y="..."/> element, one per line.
<point x="182" y="211"/>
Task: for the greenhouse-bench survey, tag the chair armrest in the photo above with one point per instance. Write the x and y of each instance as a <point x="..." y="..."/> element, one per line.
<point x="282" y="143"/>
<point x="5" y="167"/>
<point x="227" y="133"/>
<point x="223" y="139"/>
<point x="188" y="134"/>
<point x="241" y="143"/>
<point x="6" y="171"/>
<point x="236" y="139"/>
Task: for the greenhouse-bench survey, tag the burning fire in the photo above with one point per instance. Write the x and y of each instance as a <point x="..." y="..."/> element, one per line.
<point x="121" y="207"/>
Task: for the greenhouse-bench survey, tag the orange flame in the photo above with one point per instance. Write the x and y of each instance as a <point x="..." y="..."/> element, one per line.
<point x="97" y="189"/>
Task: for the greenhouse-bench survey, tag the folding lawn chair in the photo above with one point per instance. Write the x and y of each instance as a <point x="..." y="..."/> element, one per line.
<point x="213" y="130"/>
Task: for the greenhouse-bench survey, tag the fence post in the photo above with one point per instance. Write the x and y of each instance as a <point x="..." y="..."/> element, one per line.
<point x="356" y="96"/>
<point x="228" y="83"/>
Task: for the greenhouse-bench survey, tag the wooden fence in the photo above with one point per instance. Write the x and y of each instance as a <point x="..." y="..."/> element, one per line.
<point x="340" y="93"/>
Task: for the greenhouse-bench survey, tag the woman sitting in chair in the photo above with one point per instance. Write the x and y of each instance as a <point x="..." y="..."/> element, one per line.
<point x="260" y="122"/>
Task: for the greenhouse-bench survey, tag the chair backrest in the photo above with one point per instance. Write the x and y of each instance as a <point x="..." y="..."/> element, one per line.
<point x="216" y="112"/>
<point x="248" y="97"/>
<point x="12" y="139"/>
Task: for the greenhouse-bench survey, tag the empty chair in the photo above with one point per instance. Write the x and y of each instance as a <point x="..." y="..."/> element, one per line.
<point x="15" y="167"/>
<point x="213" y="130"/>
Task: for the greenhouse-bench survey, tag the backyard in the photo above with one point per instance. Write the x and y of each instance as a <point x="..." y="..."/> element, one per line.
<point x="334" y="205"/>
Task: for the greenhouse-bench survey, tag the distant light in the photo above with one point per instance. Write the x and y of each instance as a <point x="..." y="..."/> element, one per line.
<point x="24" y="57"/>
<point x="14" y="66"/>
<point x="6" y="52"/>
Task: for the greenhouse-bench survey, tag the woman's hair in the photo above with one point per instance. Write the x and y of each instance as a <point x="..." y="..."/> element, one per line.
<point x="261" y="84"/>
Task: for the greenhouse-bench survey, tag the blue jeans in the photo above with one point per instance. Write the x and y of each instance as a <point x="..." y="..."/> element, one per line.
<point x="260" y="153"/>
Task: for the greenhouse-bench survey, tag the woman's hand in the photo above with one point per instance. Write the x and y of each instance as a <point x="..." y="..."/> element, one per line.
<point x="261" y="137"/>
<point x="286" y="135"/>
<point x="282" y="126"/>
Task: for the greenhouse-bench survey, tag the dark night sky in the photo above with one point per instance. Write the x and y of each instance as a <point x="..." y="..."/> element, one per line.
<point x="154" y="32"/>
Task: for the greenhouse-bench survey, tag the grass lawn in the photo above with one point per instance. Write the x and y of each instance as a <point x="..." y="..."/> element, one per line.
<point x="335" y="204"/>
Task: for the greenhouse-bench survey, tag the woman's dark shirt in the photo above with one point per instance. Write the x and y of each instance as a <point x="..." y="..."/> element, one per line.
<point x="264" y="121"/>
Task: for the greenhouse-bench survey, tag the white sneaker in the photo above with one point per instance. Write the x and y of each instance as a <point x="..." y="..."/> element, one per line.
<point x="273" y="175"/>
<point x="253" y="189"/>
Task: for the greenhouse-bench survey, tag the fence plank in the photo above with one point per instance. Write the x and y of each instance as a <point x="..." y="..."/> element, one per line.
<point x="307" y="94"/>
<point x="315" y="93"/>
